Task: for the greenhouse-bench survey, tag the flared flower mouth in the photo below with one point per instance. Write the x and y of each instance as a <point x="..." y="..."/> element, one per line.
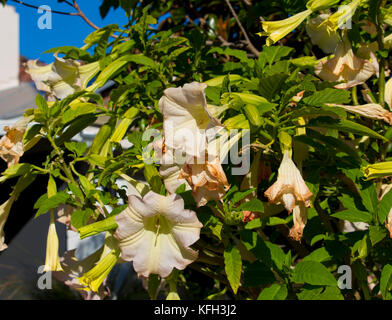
<point x="290" y="188"/>
<point x="62" y="77"/>
<point x="187" y="122"/>
<point x="345" y="66"/>
<point x="277" y="30"/>
<point x="155" y="232"/>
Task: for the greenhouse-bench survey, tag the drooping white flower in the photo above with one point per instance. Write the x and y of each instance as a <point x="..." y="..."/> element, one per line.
<point x="345" y="66"/>
<point x="4" y="212"/>
<point x="52" y="260"/>
<point x="320" y="35"/>
<point x="290" y="188"/>
<point x="155" y="232"/>
<point x="62" y="77"/>
<point x="370" y="110"/>
<point x="187" y="122"/>
<point x="74" y="268"/>
<point x="342" y="16"/>
<point x="388" y="93"/>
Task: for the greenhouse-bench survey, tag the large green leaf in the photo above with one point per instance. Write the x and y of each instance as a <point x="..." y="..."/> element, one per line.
<point x="274" y="292"/>
<point x="44" y="204"/>
<point x="386" y="282"/>
<point x="313" y="272"/>
<point x="233" y="266"/>
<point x="345" y="126"/>
<point x="385" y="206"/>
<point x="353" y="215"/>
<point x="328" y="95"/>
<point x="320" y="293"/>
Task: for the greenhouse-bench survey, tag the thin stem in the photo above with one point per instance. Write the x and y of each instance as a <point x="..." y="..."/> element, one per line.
<point x="355" y="96"/>
<point x="73" y="5"/>
<point x="380" y="41"/>
<point x="48" y="10"/>
<point x="251" y="47"/>
<point x="83" y="16"/>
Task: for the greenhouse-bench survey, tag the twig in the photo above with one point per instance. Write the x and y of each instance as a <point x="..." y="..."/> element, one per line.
<point x="48" y="10"/>
<point x="83" y="16"/>
<point x="74" y="5"/>
<point x="250" y="46"/>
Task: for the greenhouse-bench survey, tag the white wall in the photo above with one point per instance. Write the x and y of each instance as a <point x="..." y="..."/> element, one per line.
<point x="9" y="47"/>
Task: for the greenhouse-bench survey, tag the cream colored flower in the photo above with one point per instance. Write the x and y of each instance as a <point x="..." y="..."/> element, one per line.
<point x="290" y="188"/>
<point x="277" y="30"/>
<point x="4" y="212"/>
<point x="187" y="122"/>
<point x="73" y="269"/>
<point x="370" y="110"/>
<point x="321" y="36"/>
<point x="11" y="144"/>
<point x="94" y="277"/>
<point x="388" y="93"/>
<point x="62" y="77"/>
<point x="155" y="232"/>
<point x="52" y="260"/>
<point x="300" y="216"/>
<point x="208" y="180"/>
<point x="342" y="16"/>
<point x="345" y="66"/>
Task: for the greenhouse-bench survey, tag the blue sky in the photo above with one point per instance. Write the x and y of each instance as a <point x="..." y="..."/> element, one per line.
<point x="66" y="30"/>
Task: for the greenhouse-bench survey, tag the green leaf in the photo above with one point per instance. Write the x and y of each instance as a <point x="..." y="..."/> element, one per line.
<point x="320" y="293"/>
<point x="386" y="282"/>
<point x="16" y="170"/>
<point x="233" y="266"/>
<point x="377" y="233"/>
<point x="122" y="128"/>
<point x="313" y="272"/>
<point x="329" y="95"/>
<point x="79" y="148"/>
<point x="256" y="223"/>
<point x="78" y="109"/>
<point x="384" y="206"/>
<point x="153" y="178"/>
<point x="45" y="204"/>
<point x="275" y="53"/>
<point x="274" y="292"/>
<point x="271" y="85"/>
<point x="75" y="127"/>
<point x="141" y="59"/>
<point x="319" y="255"/>
<point x="345" y="126"/>
<point x="251" y="205"/>
<point x="268" y="253"/>
<point x="79" y="218"/>
<point x="41" y="103"/>
<point x="353" y="215"/>
<point x="217" y="81"/>
<point x="369" y="196"/>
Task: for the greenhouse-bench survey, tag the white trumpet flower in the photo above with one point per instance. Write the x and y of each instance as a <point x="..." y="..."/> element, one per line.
<point x="62" y="77"/>
<point x="155" y="232"/>
<point x="290" y="188"/>
<point x="370" y="110"/>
